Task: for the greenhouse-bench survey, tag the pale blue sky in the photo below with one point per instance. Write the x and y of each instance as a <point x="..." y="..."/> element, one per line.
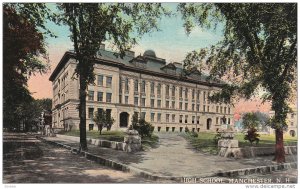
<point x="171" y="42"/>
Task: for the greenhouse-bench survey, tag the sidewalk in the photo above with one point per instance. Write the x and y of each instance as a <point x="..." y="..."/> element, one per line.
<point x="174" y="159"/>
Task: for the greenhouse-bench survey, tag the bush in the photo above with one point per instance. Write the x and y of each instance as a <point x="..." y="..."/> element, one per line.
<point x="143" y="127"/>
<point x="186" y="129"/>
<point x="217" y="137"/>
<point x="193" y="134"/>
<point x="252" y="136"/>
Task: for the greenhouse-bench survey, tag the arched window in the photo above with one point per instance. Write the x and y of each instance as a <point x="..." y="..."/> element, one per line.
<point x="143" y="86"/>
<point x="136" y="85"/>
<point x="159" y="89"/>
<point x="152" y="87"/>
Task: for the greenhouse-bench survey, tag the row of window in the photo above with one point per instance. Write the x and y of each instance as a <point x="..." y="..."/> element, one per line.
<point x="182" y="90"/>
<point x="91" y="112"/>
<point x="172" y="118"/>
<point x="195" y="107"/>
<point x="100" y="81"/>
<point x="99" y="96"/>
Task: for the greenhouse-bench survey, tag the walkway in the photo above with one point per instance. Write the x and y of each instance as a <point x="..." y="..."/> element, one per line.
<point x="175" y="158"/>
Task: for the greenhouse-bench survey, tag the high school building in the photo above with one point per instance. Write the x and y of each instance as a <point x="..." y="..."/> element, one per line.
<point x="143" y="84"/>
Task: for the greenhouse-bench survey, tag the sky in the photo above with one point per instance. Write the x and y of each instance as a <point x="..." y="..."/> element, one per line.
<point x="170" y="43"/>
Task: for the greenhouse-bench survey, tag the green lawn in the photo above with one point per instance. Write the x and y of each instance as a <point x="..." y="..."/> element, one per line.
<point x="147" y="142"/>
<point x="105" y="135"/>
<point x="205" y="141"/>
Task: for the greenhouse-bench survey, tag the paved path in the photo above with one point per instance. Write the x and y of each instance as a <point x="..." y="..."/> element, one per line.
<point x="174" y="157"/>
<point x="27" y="160"/>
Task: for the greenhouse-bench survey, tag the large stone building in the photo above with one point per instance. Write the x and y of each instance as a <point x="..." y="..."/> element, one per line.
<point x="292" y="122"/>
<point x="144" y="84"/>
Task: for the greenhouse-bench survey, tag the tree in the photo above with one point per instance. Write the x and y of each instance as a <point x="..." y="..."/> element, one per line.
<point x="100" y="120"/>
<point x="92" y="24"/>
<point x="251" y="123"/>
<point x="23" y="48"/>
<point x="259" y="50"/>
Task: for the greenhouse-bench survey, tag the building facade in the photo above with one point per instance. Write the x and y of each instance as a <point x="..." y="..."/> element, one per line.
<point x="292" y="122"/>
<point x="143" y="84"/>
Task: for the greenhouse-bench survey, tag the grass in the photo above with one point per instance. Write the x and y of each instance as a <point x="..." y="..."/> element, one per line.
<point x="205" y="141"/>
<point x="118" y="136"/>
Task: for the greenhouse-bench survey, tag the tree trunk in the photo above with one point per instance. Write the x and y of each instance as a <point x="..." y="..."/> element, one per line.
<point x="279" y="148"/>
<point x="82" y="114"/>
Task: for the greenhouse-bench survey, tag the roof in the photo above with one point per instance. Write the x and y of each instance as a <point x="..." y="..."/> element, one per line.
<point x="154" y="66"/>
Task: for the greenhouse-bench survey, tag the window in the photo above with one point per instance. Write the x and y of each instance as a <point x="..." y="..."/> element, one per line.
<point x="173" y="104"/>
<point x="136" y="101"/>
<point x="198" y="119"/>
<point x="120" y="99"/>
<point x="180" y="105"/>
<point x="198" y="94"/>
<point x="221" y="109"/>
<point x="193" y="93"/>
<point x="186" y="92"/>
<point x="229" y="110"/>
<point x="152" y="116"/>
<point x="126" y="84"/>
<point x="100" y="96"/>
<point x="158" y="117"/>
<point x="91" y="113"/>
<point x="152" y="103"/>
<point x="208" y="94"/>
<point x="193" y="107"/>
<point x="91" y="95"/>
<point x="203" y="108"/>
<point x="99" y="110"/>
<point x="186" y="119"/>
<point x="217" y="109"/>
<point x="292" y="115"/>
<point x="167" y="104"/>
<point x="120" y="85"/>
<point x="225" y="110"/>
<point x="167" y="117"/>
<point x="186" y="106"/>
<point x="229" y="121"/>
<point x="108" y="97"/>
<point x="108" y="81"/>
<point x="152" y="88"/>
<point x="198" y="107"/>
<point x="180" y="92"/>
<point x="143" y="101"/>
<point x="173" y="118"/>
<point x="173" y="90"/>
<point x="180" y="118"/>
<point x="143" y="115"/>
<point x="143" y="86"/>
<point x="207" y="108"/>
<point x="159" y="89"/>
<point x="100" y="80"/>
<point x="193" y="119"/>
<point x="158" y="103"/>
<point x="167" y="90"/>
<point x="126" y="99"/>
<point x="292" y="123"/>
<point x="217" y="120"/>
<point x="136" y="85"/>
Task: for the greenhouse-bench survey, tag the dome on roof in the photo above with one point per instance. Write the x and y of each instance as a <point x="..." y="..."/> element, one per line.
<point x="149" y="53"/>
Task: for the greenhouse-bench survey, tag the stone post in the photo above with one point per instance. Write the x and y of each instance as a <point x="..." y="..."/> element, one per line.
<point x="227" y="145"/>
<point x="132" y="141"/>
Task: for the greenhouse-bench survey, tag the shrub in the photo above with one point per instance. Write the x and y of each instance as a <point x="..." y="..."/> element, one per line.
<point x="143" y="127"/>
<point x="186" y="129"/>
<point x="193" y="134"/>
<point x="252" y="136"/>
<point x="217" y="137"/>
